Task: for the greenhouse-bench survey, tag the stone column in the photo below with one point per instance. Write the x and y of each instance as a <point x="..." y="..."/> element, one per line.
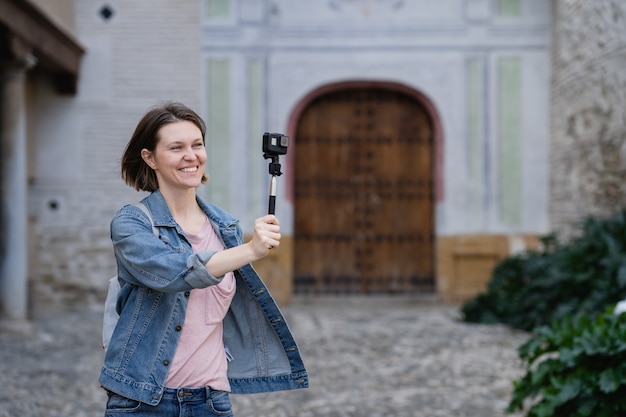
<point x="14" y="209"/>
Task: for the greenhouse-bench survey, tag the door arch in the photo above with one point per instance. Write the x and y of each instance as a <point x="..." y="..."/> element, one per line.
<point x="364" y="191"/>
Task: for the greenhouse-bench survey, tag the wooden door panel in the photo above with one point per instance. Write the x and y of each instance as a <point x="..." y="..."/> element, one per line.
<point x="363" y="194"/>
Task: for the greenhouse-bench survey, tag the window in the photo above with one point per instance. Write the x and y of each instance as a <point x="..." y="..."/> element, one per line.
<point x="510" y="8"/>
<point x="217" y="9"/>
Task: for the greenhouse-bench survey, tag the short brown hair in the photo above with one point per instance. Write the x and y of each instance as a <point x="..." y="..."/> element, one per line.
<point x="135" y="172"/>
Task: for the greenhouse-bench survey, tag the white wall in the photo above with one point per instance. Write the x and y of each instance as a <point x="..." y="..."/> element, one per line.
<point x="421" y="44"/>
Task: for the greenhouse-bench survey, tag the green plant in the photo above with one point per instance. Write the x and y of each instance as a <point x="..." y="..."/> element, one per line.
<point x="575" y="367"/>
<point x="534" y="288"/>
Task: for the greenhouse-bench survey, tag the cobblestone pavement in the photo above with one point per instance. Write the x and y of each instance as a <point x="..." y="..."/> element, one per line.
<point x="367" y="357"/>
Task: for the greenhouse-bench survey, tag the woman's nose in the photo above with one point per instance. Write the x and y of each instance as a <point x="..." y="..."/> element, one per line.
<point x="190" y="154"/>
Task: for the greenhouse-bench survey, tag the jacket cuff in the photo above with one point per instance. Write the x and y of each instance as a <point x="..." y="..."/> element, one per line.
<point x="199" y="276"/>
<point x="204" y="256"/>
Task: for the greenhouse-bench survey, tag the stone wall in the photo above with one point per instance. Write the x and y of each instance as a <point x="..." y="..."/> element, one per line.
<point x="588" y="111"/>
<point x="137" y="54"/>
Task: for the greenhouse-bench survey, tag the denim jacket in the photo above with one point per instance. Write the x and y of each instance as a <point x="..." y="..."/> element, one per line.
<point x="156" y="277"/>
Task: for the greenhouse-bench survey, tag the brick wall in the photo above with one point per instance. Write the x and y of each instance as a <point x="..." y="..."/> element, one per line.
<point x="588" y="111"/>
<point x="145" y="52"/>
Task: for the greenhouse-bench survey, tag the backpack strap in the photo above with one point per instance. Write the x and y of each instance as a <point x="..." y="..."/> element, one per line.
<point x="147" y="212"/>
<point x="111" y="317"/>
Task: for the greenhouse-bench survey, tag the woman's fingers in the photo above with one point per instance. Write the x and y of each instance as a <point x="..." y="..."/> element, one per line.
<point x="266" y="234"/>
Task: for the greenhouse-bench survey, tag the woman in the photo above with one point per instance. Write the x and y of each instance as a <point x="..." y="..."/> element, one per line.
<point x="196" y="321"/>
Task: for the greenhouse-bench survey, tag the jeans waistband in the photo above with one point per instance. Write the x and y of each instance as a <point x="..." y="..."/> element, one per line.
<point x="189" y="394"/>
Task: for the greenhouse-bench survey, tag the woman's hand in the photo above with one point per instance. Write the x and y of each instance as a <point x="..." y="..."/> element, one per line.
<point x="266" y="235"/>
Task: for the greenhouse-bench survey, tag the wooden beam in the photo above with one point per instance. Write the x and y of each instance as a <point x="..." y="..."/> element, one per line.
<point x="56" y="50"/>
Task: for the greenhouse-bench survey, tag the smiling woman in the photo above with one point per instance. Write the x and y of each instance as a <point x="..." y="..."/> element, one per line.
<point x="179" y="158"/>
<point x="151" y="129"/>
<point x="195" y="319"/>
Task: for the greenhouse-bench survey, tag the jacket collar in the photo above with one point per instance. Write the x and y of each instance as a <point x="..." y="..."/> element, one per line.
<point x="163" y="217"/>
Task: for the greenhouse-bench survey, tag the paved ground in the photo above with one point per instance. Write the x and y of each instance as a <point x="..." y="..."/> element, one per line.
<point x="367" y="357"/>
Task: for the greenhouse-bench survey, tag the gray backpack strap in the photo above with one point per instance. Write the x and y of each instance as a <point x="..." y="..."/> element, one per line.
<point x="147" y="212"/>
<point x="110" y="318"/>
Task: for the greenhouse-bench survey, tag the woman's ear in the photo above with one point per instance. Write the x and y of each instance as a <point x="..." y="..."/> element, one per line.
<point x="148" y="158"/>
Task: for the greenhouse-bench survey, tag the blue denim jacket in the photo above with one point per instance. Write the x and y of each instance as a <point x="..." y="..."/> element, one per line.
<point x="156" y="276"/>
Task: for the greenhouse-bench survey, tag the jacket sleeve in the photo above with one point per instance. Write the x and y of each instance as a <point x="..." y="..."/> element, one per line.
<point x="143" y="259"/>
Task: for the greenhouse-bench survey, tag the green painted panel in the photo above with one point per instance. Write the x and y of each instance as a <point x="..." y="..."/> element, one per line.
<point x="255" y="133"/>
<point x="475" y="133"/>
<point x="218" y="130"/>
<point x="510" y="141"/>
<point x="217" y="8"/>
<point x="510" y="7"/>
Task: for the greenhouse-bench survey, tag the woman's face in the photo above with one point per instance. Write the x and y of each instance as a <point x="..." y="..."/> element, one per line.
<point x="179" y="158"/>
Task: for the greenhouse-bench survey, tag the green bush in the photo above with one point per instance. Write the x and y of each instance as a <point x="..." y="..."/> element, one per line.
<point x="583" y="276"/>
<point x="576" y="367"/>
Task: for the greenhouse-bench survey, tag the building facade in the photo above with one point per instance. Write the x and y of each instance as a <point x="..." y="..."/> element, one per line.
<point x="419" y="135"/>
<point x="34" y="43"/>
<point x="430" y="192"/>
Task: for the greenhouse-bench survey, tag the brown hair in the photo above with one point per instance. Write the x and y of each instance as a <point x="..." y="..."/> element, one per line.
<point x="135" y="172"/>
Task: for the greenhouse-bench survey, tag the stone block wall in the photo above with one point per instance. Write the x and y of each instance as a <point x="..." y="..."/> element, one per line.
<point x="138" y="53"/>
<point x="465" y="262"/>
<point x="588" y="112"/>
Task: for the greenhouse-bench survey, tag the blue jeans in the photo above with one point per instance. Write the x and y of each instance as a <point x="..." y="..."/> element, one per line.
<point x="182" y="402"/>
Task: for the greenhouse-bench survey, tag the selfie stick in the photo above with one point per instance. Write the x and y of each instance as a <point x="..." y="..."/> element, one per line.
<point x="272" y="204"/>
<point x="274" y="169"/>
<point x="274" y="144"/>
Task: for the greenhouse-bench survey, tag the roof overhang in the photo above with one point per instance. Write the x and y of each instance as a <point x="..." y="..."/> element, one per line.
<point x="57" y="51"/>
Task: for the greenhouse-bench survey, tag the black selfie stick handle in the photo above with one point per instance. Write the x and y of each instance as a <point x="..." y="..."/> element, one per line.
<point x="272" y="204"/>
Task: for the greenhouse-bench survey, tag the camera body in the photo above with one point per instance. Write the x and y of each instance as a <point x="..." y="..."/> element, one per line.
<point x="275" y="144"/>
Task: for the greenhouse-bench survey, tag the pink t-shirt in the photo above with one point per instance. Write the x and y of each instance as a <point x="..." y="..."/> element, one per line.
<point x="200" y="359"/>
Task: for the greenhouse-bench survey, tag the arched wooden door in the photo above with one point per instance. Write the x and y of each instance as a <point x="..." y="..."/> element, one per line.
<point x="364" y="194"/>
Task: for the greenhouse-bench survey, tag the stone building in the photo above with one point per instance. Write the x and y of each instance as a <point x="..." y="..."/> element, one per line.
<point x="419" y="133"/>
<point x="35" y="44"/>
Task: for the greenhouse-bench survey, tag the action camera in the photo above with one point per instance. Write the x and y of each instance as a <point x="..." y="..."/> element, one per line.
<point x="275" y="144"/>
